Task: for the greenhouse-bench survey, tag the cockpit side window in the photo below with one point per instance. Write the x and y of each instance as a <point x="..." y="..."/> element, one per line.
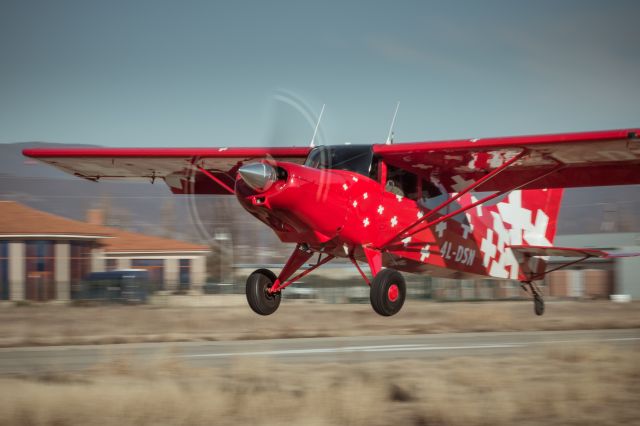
<point x="430" y="190"/>
<point x="434" y="195"/>
<point x="401" y="182"/>
<point x="354" y="158"/>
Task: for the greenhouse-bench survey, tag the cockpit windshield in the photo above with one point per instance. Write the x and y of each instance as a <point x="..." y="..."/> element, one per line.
<point x="354" y="158"/>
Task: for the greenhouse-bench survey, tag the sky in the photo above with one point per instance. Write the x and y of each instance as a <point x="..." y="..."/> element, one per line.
<point x="256" y="73"/>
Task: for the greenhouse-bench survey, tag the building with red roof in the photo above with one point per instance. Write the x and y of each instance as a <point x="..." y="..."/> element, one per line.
<point x="43" y="256"/>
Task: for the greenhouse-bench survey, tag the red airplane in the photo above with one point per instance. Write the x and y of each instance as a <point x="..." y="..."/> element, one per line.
<point x="462" y="208"/>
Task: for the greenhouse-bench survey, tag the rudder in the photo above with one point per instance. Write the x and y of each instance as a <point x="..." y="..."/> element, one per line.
<point x="524" y="217"/>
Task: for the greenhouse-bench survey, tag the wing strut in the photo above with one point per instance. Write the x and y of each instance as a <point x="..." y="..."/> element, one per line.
<point x="531" y="276"/>
<point x="410" y="230"/>
<point x="216" y="180"/>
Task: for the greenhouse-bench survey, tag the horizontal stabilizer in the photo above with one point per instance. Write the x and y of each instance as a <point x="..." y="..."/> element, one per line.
<point x="532" y="251"/>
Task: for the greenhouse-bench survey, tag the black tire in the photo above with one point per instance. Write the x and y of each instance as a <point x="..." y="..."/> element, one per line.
<point x="258" y="296"/>
<point x="538" y="305"/>
<point x="387" y="293"/>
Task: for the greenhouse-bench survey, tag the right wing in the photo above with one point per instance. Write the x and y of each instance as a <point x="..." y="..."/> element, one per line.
<point x="569" y="160"/>
<point x="183" y="169"/>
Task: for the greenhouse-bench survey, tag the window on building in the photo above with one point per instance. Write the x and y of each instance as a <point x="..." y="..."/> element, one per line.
<point x="185" y="274"/>
<point x="155" y="268"/>
<point x="80" y="263"/>
<point x="4" y="270"/>
<point x="39" y="271"/>
<point x="111" y="264"/>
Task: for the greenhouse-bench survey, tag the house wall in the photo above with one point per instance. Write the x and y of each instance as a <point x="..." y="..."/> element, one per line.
<point x="171" y="273"/>
<point x="61" y="270"/>
<point x="62" y="276"/>
<point x="198" y="273"/>
<point x="580" y="283"/>
<point x="171" y="267"/>
<point x="98" y="260"/>
<point x="17" y="253"/>
<point x="628" y="274"/>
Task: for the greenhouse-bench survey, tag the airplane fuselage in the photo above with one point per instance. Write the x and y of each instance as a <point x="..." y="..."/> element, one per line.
<point x="339" y="212"/>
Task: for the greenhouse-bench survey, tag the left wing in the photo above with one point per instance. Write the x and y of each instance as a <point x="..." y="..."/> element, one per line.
<point x="545" y="161"/>
<point x="185" y="170"/>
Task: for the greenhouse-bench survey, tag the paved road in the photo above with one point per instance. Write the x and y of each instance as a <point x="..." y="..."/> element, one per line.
<point x="342" y="349"/>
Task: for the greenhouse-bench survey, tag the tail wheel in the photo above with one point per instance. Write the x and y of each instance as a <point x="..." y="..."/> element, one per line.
<point x="387" y="293"/>
<point x="260" y="300"/>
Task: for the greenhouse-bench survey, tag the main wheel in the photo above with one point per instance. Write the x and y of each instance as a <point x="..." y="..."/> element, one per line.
<point x="387" y="293"/>
<point x="260" y="300"/>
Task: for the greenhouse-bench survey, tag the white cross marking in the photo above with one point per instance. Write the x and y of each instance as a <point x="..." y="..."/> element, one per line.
<point x="488" y="248"/>
<point x="421" y="166"/>
<point x="394" y="221"/>
<point x="399" y="197"/>
<point x="460" y="183"/>
<point x="380" y="209"/>
<point x="344" y="186"/>
<point x="478" y="207"/>
<point x="365" y="222"/>
<point x="496" y="160"/>
<point x="420" y="214"/>
<point x="503" y="234"/>
<point x="355" y="179"/>
<point x="510" y="260"/>
<point x="513" y="213"/>
<point x="440" y="228"/>
<point x="406" y="241"/>
<point x="355" y="203"/>
<point x="466" y="229"/>
<point x="537" y="235"/>
<point x="498" y="270"/>
<point x="365" y="195"/>
<point x="424" y="253"/>
<point x="515" y="237"/>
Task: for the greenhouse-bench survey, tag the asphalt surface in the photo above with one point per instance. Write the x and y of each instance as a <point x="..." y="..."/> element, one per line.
<point x="28" y="360"/>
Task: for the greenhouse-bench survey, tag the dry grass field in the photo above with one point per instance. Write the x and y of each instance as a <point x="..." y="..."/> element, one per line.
<point x="577" y="385"/>
<point x="60" y="325"/>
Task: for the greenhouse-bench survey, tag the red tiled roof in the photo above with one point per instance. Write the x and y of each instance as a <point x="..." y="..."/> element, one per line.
<point x="18" y="219"/>
<point x="125" y="241"/>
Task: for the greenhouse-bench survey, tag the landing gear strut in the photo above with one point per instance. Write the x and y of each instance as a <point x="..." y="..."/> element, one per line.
<point x="538" y="301"/>
<point x="264" y="288"/>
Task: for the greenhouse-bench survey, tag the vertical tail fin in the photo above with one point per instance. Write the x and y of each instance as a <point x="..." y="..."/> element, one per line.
<point x="538" y="215"/>
<point x="526" y="217"/>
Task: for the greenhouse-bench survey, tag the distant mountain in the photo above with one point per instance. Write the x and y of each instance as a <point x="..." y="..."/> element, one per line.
<point x="47" y="188"/>
<point x="13" y="163"/>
